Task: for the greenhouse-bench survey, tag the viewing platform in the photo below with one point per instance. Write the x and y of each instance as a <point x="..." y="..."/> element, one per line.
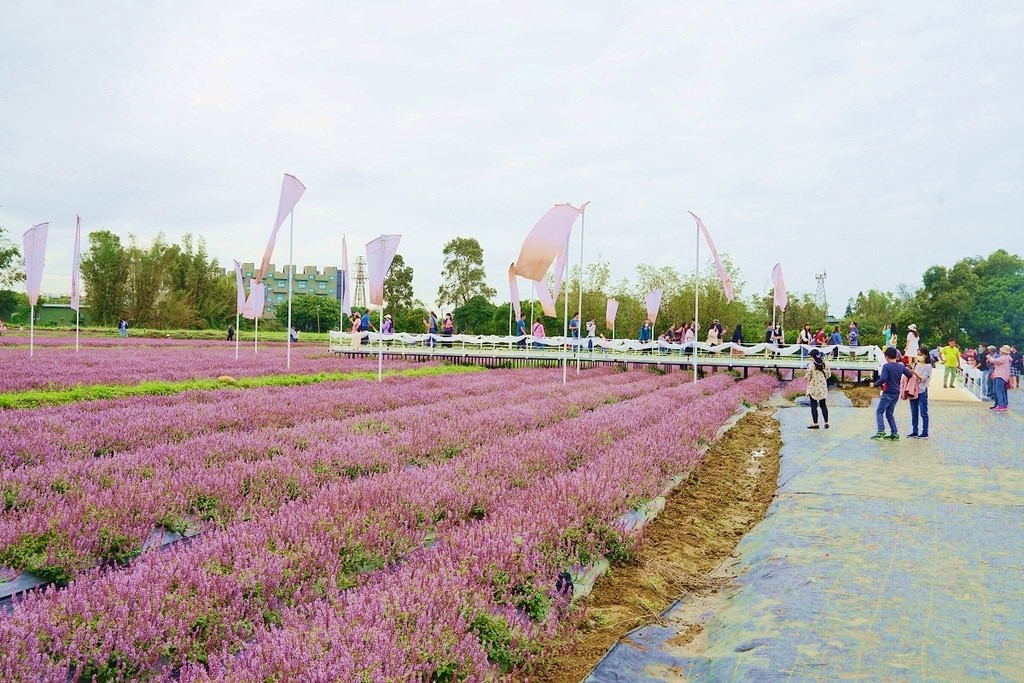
<point x="852" y="362"/>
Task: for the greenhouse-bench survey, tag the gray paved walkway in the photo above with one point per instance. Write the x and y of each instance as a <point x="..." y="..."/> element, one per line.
<point x="877" y="561"/>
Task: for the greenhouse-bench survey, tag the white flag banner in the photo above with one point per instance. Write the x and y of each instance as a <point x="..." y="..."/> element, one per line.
<point x="34" y="242"/>
<point x="240" y="285"/>
<point x="256" y="301"/>
<point x="346" y="306"/>
<point x="781" y="297"/>
<point x="653" y="302"/>
<point x="379" y="254"/>
<point x="291" y="192"/>
<point x="546" y="244"/>
<point x="75" y="260"/>
<point x="513" y="288"/>
<point x="609" y="313"/>
<point x="723" y="275"/>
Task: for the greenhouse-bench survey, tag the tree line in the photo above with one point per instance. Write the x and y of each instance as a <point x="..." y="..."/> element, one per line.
<point x="176" y="286"/>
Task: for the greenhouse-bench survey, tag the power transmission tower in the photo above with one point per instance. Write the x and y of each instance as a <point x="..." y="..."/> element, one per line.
<point x="819" y="296"/>
<point x="359" y="291"/>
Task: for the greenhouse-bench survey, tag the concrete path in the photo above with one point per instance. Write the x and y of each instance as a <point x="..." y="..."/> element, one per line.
<point x="878" y="561"/>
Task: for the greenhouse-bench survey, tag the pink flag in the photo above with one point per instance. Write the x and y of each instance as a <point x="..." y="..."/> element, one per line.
<point x="722" y="274"/>
<point x="75" y="259"/>
<point x="34" y="241"/>
<point x="513" y="288"/>
<point x="653" y="301"/>
<point x="257" y="300"/>
<point x="240" y="285"/>
<point x="379" y="254"/>
<point x="781" y="297"/>
<point x="546" y="243"/>
<point x="547" y="302"/>
<point x="291" y="192"/>
<point x="609" y="315"/>
<point x="346" y="308"/>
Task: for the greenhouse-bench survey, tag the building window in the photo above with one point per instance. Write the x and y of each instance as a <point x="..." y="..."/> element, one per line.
<point x="282" y="283"/>
<point x="302" y="284"/>
<point x="323" y="285"/>
<point x="280" y="297"/>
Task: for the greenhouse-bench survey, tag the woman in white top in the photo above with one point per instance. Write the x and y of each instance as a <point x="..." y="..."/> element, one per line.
<point x="919" y="404"/>
<point x="913" y="343"/>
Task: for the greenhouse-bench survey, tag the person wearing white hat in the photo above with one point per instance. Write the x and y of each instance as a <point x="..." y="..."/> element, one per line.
<point x="913" y="342"/>
<point x="1000" y="376"/>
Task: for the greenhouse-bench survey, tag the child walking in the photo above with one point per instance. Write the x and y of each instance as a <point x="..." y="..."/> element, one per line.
<point x="889" y="379"/>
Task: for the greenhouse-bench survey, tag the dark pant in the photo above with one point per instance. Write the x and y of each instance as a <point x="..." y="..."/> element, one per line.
<point x="919" y="407"/>
<point x="886" y="407"/>
<point x="814" y="410"/>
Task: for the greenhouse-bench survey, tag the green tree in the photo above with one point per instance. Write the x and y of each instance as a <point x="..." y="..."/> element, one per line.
<point x="463" y="273"/>
<point x="406" y="311"/>
<point x="478" y="316"/>
<point x="193" y="277"/>
<point x="8" y="302"/>
<point x="147" y="275"/>
<point x="11" y="270"/>
<point x="310" y="313"/>
<point x="104" y="271"/>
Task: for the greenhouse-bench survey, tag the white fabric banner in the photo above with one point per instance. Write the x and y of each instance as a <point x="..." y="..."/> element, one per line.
<point x="546" y="243"/>
<point x="781" y="297"/>
<point x="34" y="242"/>
<point x="291" y="192"/>
<point x="379" y="254"/>
<point x="723" y="275"/>
<point x="513" y="288"/>
<point x="75" y="260"/>
<point x="256" y="301"/>
<point x="346" y="306"/>
<point x="240" y="287"/>
<point x="609" y="314"/>
<point x="653" y="303"/>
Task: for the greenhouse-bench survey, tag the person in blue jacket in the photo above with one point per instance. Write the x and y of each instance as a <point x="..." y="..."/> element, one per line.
<point x="889" y="379"/>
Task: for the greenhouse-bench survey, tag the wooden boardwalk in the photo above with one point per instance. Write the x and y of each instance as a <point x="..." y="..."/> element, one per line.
<point x="787" y="361"/>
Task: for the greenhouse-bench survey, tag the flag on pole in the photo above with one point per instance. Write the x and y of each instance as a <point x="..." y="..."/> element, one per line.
<point x="545" y="243"/>
<point x="379" y="254"/>
<point x="346" y="307"/>
<point x="722" y="273"/>
<point x="291" y="192"/>
<point x="609" y="315"/>
<point x="653" y="302"/>
<point x="254" y="304"/>
<point x="34" y="241"/>
<point x="240" y="285"/>
<point x="781" y="297"/>
<point x="75" y="259"/>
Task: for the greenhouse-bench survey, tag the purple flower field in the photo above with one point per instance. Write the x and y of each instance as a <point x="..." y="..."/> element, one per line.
<point x="407" y="530"/>
<point x="56" y="365"/>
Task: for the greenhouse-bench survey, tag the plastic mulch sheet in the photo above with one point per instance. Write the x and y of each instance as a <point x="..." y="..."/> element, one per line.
<point x="883" y="560"/>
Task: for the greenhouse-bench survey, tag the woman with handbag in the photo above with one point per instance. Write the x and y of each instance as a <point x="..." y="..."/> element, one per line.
<point x="919" y="403"/>
<point x="817" y="375"/>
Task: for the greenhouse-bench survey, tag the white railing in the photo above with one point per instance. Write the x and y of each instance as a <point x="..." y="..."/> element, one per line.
<point x="972" y="378"/>
<point x="528" y="346"/>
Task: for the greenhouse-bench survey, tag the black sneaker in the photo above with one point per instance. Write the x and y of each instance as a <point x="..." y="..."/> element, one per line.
<point x="879" y="435"/>
<point x="913" y="436"/>
<point x="892" y="437"/>
<point x="923" y="436"/>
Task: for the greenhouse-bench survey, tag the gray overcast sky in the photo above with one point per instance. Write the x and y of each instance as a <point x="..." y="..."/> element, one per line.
<point x="807" y="132"/>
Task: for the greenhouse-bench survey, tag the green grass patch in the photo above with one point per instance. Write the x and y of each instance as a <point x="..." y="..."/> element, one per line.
<point x="95" y="392"/>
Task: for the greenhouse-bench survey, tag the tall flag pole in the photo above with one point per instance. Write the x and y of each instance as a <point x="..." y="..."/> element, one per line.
<point x="579" y="306"/>
<point x="780" y="298"/>
<point x="291" y="277"/>
<point x="379" y="255"/>
<point x="723" y="275"/>
<point x="74" y="279"/>
<point x="696" y="303"/>
<point x="34" y="242"/>
<point x="239" y="304"/>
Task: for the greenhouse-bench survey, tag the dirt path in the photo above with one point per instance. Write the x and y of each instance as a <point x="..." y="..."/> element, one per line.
<point x="702" y="522"/>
